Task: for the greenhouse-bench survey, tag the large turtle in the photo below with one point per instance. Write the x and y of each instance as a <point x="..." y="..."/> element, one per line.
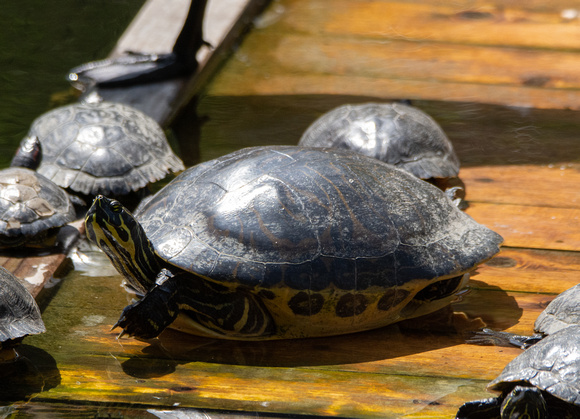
<point x="102" y="147"/>
<point x="398" y="134"/>
<point x="32" y="208"/>
<point x="19" y="314"/>
<point x="288" y="242"/>
<point x="541" y="382"/>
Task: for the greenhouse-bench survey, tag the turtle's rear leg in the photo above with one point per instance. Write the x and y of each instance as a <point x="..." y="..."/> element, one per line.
<point x="487" y="336"/>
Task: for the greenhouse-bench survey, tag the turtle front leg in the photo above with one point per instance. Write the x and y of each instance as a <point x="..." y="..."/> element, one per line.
<point x="148" y="317"/>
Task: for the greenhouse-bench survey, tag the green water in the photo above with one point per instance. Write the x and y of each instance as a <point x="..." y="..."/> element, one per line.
<point x="40" y="41"/>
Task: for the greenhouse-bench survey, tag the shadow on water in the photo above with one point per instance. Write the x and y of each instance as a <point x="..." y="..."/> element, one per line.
<point x="447" y="327"/>
<point x="482" y="134"/>
<point x="33" y="372"/>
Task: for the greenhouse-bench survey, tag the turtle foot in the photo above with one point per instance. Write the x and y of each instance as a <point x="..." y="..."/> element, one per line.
<point x="486" y="337"/>
<point x="148" y="317"/>
<point x="134" y="323"/>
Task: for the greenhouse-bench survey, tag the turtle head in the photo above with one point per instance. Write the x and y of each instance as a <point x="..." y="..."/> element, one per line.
<point x="524" y="402"/>
<point x="113" y="228"/>
<point x="29" y="153"/>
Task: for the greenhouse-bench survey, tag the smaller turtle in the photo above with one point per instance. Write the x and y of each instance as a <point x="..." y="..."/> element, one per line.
<point x="102" y="147"/>
<point x="19" y="315"/>
<point x="32" y="208"/>
<point x="394" y="133"/>
<point x="541" y="382"/>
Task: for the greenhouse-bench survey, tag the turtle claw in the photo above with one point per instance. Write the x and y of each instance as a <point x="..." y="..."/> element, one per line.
<point x="133" y="324"/>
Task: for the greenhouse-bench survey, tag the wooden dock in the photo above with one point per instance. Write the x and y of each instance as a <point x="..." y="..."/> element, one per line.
<point x="502" y="80"/>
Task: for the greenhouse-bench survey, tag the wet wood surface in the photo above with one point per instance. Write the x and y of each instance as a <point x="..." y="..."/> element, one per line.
<point x="500" y="79"/>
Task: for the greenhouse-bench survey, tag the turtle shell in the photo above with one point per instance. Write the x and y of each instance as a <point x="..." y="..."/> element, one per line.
<point x="30" y="206"/>
<point x="317" y="231"/>
<point x="397" y="134"/>
<point x="102" y="147"/>
<point x="563" y="311"/>
<point x="552" y="365"/>
<point x="19" y="313"/>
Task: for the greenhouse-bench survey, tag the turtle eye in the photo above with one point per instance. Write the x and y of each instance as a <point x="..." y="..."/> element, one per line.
<point x="116" y="206"/>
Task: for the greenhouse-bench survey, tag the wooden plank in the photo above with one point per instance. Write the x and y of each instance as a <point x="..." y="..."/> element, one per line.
<point x="420" y="60"/>
<point x="553" y="185"/>
<point x="40" y="269"/>
<point x="258" y="82"/>
<point x="531" y="226"/>
<point x="155" y="30"/>
<point x="310" y="58"/>
<point x="464" y="22"/>
<point x="529" y="270"/>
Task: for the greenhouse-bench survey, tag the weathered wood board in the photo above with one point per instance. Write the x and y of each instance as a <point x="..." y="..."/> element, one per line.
<point x="520" y="167"/>
<point x="520" y="54"/>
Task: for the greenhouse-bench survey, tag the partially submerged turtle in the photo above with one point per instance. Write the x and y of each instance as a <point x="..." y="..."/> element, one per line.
<point x="102" y="147"/>
<point x="542" y="382"/>
<point x="289" y="242"/>
<point x="19" y="314"/>
<point x="395" y="133"/>
<point x="32" y="208"/>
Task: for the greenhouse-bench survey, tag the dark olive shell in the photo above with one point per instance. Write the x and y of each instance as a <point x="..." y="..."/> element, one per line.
<point x="552" y="365"/>
<point x="30" y="204"/>
<point x="310" y="219"/>
<point x="19" y="313"/>
<point x="103" y="147"/>
<point x="397" y="134"/>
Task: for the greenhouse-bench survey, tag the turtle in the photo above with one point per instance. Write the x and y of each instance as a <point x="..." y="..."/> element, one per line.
<point x="396" y="133"/>
<point x="104" y="147"/>
<point x="19" y="314"/>
<point x="32" y="208"/>
<point x="288" y="242"/>
<point x="137" y="67"/>
<point x="542" y="382"/>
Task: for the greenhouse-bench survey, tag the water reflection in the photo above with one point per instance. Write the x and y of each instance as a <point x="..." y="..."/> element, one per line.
<point x="41" y="41"/>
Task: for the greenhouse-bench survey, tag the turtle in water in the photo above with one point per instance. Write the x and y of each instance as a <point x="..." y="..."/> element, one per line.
<point x="289" y="242"/>
<point x="19" y="314"/>
<point x="32" y="208"/>
<point x="396" y="133"/>
<point x="102" y="147"/>
<point x="541" y="382"/>
<point x="136" y="67"/>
